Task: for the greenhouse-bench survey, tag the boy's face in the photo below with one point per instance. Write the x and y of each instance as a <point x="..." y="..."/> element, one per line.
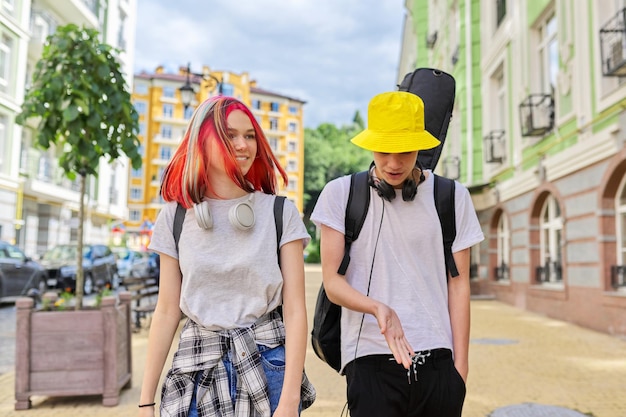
<point x="394" y="168"/>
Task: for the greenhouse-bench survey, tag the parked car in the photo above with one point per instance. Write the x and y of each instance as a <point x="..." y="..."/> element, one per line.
<point x="19" y="274"/>
<point x="132" y="263"/>
<point x="99" y="267"/>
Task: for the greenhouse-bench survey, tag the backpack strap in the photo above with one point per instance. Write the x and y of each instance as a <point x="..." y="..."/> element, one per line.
<point x="179" y="218"/>
<point x="279" y="203"/>
<point x="356" y="210"/>
<point x="444" y="203"/>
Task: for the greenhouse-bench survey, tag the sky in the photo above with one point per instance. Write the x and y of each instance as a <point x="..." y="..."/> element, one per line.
<point x="333" y="54"/>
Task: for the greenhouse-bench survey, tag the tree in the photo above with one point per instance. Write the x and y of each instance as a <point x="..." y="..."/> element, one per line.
<point x="80" y="100"/>
<point x="328" y="154"/>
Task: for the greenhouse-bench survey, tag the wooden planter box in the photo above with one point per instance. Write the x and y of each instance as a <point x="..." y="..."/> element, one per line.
<point x="73" y="353"/>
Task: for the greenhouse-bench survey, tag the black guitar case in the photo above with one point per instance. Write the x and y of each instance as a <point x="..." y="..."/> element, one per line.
<point x="437" y="90"/>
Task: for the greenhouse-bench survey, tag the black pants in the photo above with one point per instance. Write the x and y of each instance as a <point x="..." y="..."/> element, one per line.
<point x="379" y="387"/>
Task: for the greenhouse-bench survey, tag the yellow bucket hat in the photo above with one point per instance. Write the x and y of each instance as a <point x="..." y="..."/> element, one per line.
<point x="395" y="124"/>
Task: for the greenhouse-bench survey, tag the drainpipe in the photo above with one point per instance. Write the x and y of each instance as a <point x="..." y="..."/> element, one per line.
<point x="468" y="91"/>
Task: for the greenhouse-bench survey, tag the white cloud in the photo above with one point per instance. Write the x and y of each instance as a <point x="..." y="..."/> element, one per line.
<point x="335" y="55"/>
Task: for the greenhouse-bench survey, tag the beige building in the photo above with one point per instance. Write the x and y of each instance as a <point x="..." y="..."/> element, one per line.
<point x="38" y="204"/>
<point x="163" y="118"/>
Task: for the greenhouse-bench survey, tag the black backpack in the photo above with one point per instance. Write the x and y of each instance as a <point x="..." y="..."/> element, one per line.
<point x="437" y="90"/>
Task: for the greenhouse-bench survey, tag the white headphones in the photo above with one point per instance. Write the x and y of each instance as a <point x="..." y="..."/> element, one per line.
<point x="241" y="215"/>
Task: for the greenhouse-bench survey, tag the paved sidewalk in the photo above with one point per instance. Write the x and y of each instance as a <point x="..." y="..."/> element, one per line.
<point x="521" y="365"/>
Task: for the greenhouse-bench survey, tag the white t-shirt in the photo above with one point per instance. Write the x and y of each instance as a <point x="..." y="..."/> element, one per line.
<point x="408" y="270"/>
<point x="230" y="277"/>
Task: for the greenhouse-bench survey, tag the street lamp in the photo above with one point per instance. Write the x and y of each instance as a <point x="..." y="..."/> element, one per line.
<point x="187" y="92"/>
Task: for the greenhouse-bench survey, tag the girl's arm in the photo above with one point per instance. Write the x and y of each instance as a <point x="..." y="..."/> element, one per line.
<point x="165" y="321"/>
<point x="296" y="329"/>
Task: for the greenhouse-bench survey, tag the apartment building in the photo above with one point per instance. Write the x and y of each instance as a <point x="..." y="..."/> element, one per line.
<point x="38" y="204"/>
<point x="166" y="101"/>
<point x="537" y="135"/>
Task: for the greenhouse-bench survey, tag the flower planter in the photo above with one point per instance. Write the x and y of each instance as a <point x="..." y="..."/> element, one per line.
<point x="73" y="353"/>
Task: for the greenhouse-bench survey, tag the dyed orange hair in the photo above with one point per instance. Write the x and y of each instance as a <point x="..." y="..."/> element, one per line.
<point x="185" y="179"/>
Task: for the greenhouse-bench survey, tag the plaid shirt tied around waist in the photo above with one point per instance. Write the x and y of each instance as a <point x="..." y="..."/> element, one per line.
<point x="201" y="351"/>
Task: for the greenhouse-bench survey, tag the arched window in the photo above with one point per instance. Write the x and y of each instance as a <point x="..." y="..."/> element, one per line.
<point x="502" y="249"/>
<point x="618" y="274"/>
<point x="550" y="242"/>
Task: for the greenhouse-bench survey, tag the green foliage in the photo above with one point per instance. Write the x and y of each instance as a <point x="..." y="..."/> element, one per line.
<point x="328" y="154"/>
<point x="80" y="99"/>
<point x="83" y="108"/>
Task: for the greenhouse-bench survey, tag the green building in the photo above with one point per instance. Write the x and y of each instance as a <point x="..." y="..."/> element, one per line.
<point x="537" y="135"/>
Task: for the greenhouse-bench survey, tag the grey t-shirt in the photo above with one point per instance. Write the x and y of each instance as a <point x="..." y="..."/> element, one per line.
<point x="230" y="277"/>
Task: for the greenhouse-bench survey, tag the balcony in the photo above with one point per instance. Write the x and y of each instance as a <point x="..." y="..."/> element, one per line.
<point x="618" y="277"/>
<point x="549" y="272"/>
<point x="613" y="45"/>
<point x="502" y="272"/>
<point x="537" y="114"/>
<point x="494" y="146"/>
<point x="452" y="167"/>
<point x="81" y="12"/>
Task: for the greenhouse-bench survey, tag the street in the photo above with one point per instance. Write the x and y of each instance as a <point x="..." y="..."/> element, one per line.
<point x="521" y="364"/>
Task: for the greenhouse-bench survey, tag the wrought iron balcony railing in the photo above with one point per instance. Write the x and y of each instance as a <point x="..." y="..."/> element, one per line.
<point x="618" y="276"/>
<point x="549" y="272"/>
<point x="494" y="146"/>
<point x="613" y="45"/>
<point x="537" y="114"/>
<point x="502" y="272"/>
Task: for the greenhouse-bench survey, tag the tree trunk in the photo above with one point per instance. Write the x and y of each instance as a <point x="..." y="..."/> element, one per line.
<point x="80" y="277"/>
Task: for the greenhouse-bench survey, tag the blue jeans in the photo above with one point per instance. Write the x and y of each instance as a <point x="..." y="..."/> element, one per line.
<point x="273" y="363"/>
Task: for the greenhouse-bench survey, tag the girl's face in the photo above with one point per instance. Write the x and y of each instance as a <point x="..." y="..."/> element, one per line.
<point x="394" y="168"/>
<point x="243" y="140"/>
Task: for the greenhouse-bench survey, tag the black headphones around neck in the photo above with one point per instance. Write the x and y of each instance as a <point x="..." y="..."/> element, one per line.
<point x="387" y="192"/>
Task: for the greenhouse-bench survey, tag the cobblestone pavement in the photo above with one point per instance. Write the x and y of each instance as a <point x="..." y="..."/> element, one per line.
<point x="521" y="365"/>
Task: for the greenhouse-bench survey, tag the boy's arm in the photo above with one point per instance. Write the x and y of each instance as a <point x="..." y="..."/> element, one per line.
<point x="459" y="308"/>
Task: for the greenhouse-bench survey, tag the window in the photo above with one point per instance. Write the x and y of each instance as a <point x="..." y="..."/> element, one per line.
<point x="620" y="209"/>
<point x="500" y="11"/>
<point x="141" y="88"/>
<point x="6" y="46"/>
<point x="502" y="249"/>
<point x="548" y="52"/>
<point x="551" y="228"/>
<point x="121" y="36"/>
<point x="8" y="6"/>
<point x="134" y="215"/>
<point x="293" y="109"/>
<point x="228" y="89"/>
<point x="293" y="184"/>
<point x="142" y="128"/>
<point x="293" y="127"/>
<point x="135" y="193"/>
<point x="136" y="172"/>
<point x="168" y="110"/>
<point x="169" y="92"/>
<point x="273" y="144"/>
<point x="256" y="104"/>
<point x="189" y="112"/>
<point x="4" y="143"/>
<point x="292" y="146"/>
<point x="273" y="123"/>
<point x="274" y="106"/>
<point x="165" y="153"/>
<point x="166" y="131"/>
<point x="292" y="165"/>
<point x="140" y="107"/>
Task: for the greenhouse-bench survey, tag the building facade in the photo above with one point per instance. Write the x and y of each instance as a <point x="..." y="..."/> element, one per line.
<point x="163" y="118"/>
<point x="538" y="136"/>
<point x="38" y="205"/>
